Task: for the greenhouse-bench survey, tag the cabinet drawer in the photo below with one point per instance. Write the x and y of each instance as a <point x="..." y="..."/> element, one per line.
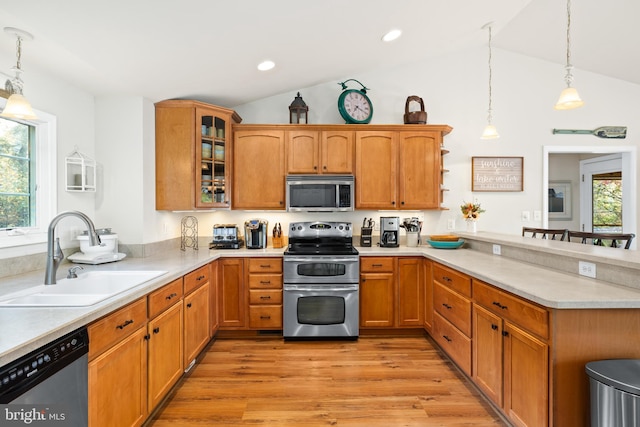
<point x="265" y="281"/>
<point x="376" y="264"/>
<point x="459" y="282"/>
<point x="196" y="278"/>
<point x="164" y="297"/>
<point x="265" y="297"/>
<point x="104" y="333"/>
<point x="453" y="307"/>
<point x="265" y="316"/>
<point x="529" y="316"/>
<point x="265" y="265"/>
<point x="453" y="342"/>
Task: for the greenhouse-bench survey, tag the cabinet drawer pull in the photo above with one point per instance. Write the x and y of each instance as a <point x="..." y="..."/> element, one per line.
<point x="265" y="317"/>
<point x="200" y="277"/>
<point x="496" y="303"/>
<point x="447" y="338"/>
<point x="172" y="296"/>
<point x="376" y="265"/>
<point x="189" y="305"/>
<point x="156" y="330"/>
<point x="265" y="265"/>
<point x="265" y="282"/>
<point x="125" y="324"/>
<point x="265" y="297"/>
<point x="494" y="327"/>
<point x="447" y="306"/>
<point x="446" y="279"/>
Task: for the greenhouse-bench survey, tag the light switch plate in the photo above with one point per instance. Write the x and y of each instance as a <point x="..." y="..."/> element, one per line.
<point x="451" y="224"/>
<point x="526" y="216"/>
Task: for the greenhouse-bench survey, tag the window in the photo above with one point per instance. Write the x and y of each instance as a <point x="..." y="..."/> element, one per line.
<point x="17" y="180"/>
<point x="607" y="202"/>
<point x="27" y="179"/>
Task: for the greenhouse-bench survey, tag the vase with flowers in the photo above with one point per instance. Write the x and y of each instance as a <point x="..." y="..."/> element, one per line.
<point x="471" y="212"/>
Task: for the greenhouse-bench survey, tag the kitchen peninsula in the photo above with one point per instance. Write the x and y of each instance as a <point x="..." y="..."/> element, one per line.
<point x="586" y="319"/>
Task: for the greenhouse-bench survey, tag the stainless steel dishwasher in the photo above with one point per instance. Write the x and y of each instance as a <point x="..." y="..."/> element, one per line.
<point x="48" y="386"/>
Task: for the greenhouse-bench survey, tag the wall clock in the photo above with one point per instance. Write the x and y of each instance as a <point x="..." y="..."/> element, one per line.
<point x="354" y="105"/>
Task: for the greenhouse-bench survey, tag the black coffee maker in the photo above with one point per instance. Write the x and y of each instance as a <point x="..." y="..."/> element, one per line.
<point x="389" y="231"/>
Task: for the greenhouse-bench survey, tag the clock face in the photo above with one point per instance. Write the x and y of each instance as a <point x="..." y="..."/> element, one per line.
<point x="355" y="106"/>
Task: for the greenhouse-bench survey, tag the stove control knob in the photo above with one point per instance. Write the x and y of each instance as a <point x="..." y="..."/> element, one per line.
<point x="299" y="227"/>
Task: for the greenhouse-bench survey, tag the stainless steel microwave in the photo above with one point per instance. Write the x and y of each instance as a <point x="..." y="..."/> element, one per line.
<point x="320" y="193"/>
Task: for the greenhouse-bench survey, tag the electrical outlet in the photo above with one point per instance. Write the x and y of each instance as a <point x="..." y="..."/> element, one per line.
<point x="526" y="216"/>
<point x="497" y="250"/>
<point x="537" y="215"/>
<point x="451" y="224"/>
<point x="587" y="269"/>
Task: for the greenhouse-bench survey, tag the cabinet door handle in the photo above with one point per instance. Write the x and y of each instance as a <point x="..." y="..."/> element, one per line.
<point x="447" y="338"/>
<point x="494" y="327"/>
<point x="393" y="203"/>
<point x="156" y="330"/>
<point x="189" y="305"/>
<point x="505" y="333"/>
<point x="147" y="337"/>
<point x="496" y="303"/>
<point x="125" y="324"/>
<point x="447" y="306"/>
<point x="402" y="203"/>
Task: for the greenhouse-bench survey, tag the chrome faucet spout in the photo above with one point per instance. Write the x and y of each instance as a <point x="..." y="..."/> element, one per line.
<point x="54" y="252"/>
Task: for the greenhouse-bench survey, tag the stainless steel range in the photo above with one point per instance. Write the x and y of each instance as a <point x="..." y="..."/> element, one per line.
<point x="321" y="281"/>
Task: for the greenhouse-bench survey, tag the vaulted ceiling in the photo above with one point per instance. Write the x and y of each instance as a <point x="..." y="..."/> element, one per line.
<point x="209" y="49"/>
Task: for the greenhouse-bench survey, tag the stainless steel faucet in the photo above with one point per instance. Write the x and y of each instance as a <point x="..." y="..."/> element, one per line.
<point x="54" y="252"/>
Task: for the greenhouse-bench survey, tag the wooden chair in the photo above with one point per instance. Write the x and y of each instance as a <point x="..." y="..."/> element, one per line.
<point x="617" y="240"/>
<point x="546" y="233"/>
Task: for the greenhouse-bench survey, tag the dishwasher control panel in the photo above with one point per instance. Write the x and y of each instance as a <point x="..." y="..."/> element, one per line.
<point x="42" y="363"/>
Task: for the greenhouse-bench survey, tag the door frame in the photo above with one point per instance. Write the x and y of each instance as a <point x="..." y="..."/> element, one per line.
<point x="629" y="175"/>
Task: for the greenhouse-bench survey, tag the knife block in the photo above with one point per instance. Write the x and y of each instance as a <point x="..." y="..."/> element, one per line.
<point x="365" y="236"/>
<point x="278" y="242"/>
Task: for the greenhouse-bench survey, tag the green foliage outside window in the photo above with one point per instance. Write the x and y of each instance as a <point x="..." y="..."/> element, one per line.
<point x="15" y="175"/>
<point x="607" y="205"/>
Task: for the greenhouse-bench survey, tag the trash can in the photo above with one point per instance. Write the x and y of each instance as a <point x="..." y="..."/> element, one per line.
<point x="615" y="392"/>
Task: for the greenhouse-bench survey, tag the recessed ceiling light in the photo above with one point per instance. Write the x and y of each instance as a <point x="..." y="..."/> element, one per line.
<point x="266" y="65"/>
<point x="391" y="35"/>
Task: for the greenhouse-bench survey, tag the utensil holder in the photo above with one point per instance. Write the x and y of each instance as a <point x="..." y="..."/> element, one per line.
<point x="278" y="242"/>
<point x="413" y="239"/>
<point x="365" y="236"/>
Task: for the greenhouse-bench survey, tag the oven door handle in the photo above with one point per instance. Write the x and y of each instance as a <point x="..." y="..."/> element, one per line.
<point x="321" y="258"/>
<point x="322" y="288"/>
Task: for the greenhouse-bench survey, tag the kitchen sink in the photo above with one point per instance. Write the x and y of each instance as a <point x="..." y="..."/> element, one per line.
<point x="87" y="289"/>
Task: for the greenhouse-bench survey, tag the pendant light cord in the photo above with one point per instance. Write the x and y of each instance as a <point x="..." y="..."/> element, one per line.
<point x="569" y="76"/>
<point x="490" y="75"/>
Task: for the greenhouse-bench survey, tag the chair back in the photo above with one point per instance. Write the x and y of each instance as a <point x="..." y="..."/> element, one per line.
<point x="546" y="233"/>
<point x="616" y="240"/>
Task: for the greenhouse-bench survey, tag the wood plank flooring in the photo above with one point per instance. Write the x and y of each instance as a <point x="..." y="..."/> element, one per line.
<point x="372" y="382"/>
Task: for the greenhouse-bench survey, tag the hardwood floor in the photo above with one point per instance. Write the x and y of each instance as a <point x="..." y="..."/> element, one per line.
<point x="371" y="382"/>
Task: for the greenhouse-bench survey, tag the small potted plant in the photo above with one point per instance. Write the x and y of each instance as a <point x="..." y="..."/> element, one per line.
<point x="471" y="212"/>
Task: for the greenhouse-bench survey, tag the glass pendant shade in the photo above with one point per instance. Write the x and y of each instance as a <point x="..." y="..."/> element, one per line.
<point x="490" y="132"/>
<point x="569" y="98"/>
<point x="18" y="108"/>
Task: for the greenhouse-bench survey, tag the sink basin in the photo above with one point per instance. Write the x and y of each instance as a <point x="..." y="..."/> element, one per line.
<point x="87" y="289"/>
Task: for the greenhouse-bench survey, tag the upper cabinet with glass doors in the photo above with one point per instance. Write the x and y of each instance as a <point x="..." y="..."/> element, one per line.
<point x="193" y="155"/>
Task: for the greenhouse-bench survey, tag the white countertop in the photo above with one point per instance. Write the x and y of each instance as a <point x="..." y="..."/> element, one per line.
<point x="25" y="329"/>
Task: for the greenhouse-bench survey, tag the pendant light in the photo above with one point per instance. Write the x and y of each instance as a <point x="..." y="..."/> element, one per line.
<point x="569" y="97"/>
<point x="490" y="131"/>
<point x="17" y="106"/>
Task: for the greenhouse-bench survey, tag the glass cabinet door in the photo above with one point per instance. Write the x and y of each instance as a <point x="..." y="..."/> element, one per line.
<point x="212" y="158"/>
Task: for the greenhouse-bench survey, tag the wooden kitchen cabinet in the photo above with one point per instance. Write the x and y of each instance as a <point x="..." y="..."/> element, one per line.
<point x="214" y="318"/>
<point x="511" y="363"/>
<point x="165" y="352"/>
<point x="231" y="293"/>
<point x="399" y="168"/>
<point x="118" y="367"/>
<point x="258" y="168"/>
<point x="264" y="276"/>
<point x="428" y="294"/>
<point x="452" y="314"/>
<point x="391" y="292"/>
<point x="319" y="152"/>
<point x="377" y="292"/>
<point x="193" y="155"/>
<point x="197" y="332"/>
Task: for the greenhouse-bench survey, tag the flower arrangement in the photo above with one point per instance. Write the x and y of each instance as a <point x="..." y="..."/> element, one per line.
<point x="471" y="211"/>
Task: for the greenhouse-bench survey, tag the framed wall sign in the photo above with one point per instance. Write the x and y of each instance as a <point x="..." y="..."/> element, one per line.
<point x="560" y="200"/>
<point x="497" y="173"/>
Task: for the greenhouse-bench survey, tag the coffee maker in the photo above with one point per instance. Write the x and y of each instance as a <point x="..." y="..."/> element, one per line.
<point x="255" y="234"/>
<point x="389" y="231"/>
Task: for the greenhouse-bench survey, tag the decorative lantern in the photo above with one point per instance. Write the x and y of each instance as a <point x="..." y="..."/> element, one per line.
<point x="298" y="111"/>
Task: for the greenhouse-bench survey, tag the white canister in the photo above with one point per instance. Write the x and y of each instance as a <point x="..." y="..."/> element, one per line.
<point x="109" y="244"/>
<point x="412" y="238"/>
